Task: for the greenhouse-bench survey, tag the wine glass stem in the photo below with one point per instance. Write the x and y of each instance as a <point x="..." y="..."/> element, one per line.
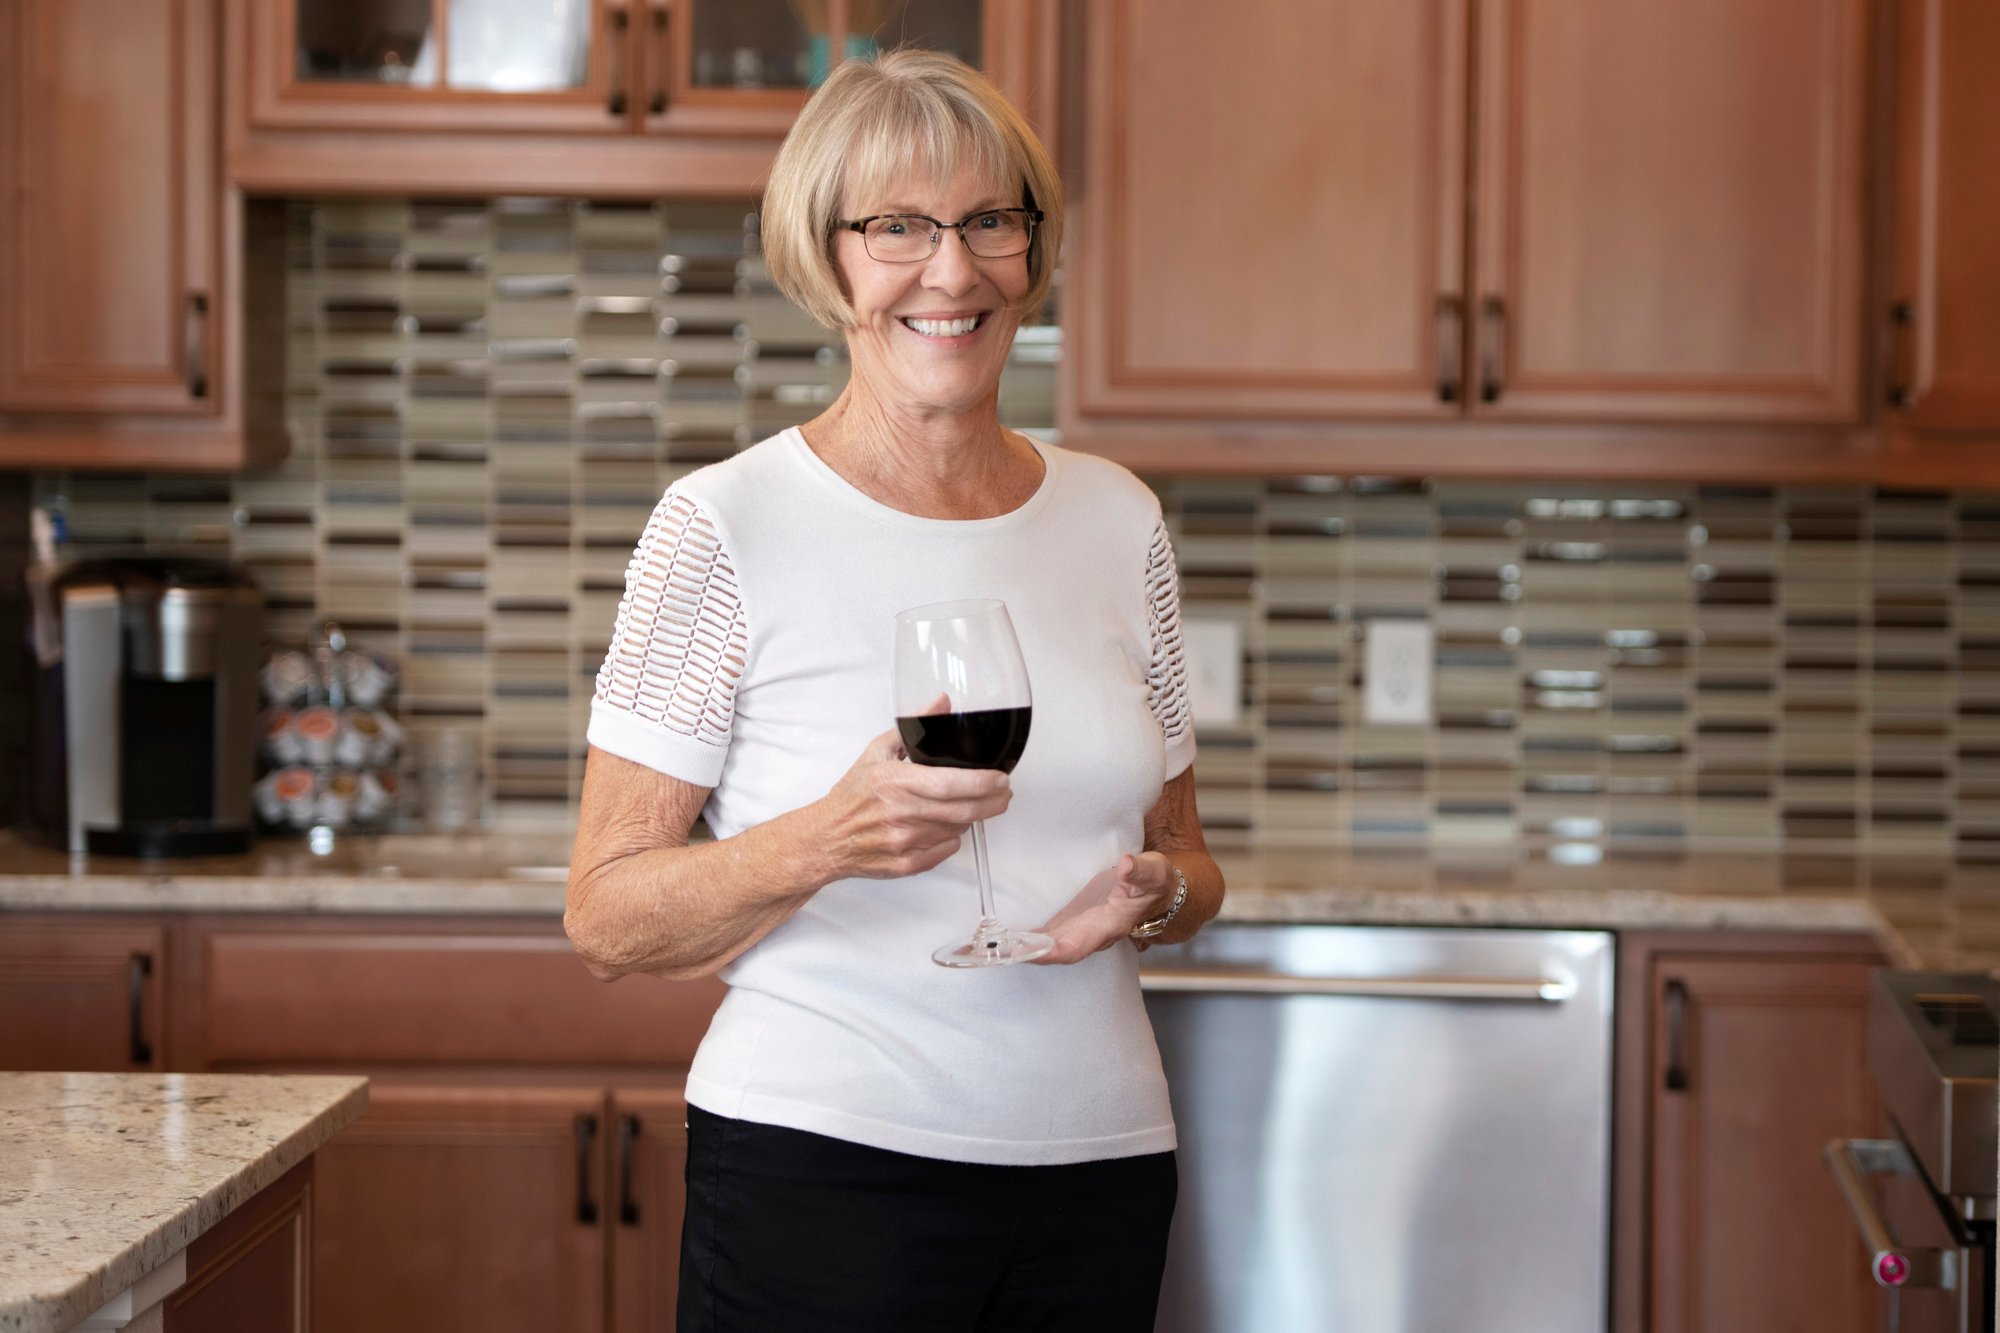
<point x="987" y="916"/>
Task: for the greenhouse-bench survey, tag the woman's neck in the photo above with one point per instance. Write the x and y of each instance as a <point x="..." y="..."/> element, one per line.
<point x="954" y="465"/>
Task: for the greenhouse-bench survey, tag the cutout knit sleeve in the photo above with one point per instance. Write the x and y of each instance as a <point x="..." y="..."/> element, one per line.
<point x="666" y="693"/>
<point x="1166" y="673"/>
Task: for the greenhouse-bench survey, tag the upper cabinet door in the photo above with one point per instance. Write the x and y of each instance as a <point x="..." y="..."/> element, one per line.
<point x="1946" y="294"/>
<point x="557" y="65"/>
<point x="1670" y="206"/>
<point x="1270" y="220"/>
<point x="109" y="243"/>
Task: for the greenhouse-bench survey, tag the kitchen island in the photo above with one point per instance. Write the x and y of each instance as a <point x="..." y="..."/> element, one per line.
<point x="108" y="1180"/>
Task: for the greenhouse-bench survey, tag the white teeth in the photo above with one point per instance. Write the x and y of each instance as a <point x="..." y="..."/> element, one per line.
<point x="944" y="328"/>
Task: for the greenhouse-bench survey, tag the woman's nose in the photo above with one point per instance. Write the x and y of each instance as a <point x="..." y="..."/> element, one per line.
<point x="951" y="267"/>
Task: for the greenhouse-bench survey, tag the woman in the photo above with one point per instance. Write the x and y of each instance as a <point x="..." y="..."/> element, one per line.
<point x="876" y="1142"/>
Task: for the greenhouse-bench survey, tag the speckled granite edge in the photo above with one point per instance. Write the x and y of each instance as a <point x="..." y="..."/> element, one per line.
<point x="52" y="1311"/>
<point x="1629" y="908"/>
<point x="1607" y="909"/>
<point x="329" y="893"/>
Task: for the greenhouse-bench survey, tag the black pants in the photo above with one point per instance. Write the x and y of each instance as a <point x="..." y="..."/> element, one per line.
<point x="790" y="1232"/>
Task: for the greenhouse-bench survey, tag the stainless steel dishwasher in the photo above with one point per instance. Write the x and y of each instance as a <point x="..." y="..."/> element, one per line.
<point x="1387" y="1129"/>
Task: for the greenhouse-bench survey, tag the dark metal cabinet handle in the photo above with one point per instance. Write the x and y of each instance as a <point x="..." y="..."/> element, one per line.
<point x="137" y="970"/>
<point x="628" y="1203"/>
<point x="1677" y="1077"/>
<point x="1493" y="333"/>
<point x="1902" y="317"/>
<point x="1451" y="335"/>
<point x="619" y="21"/>
<point x="586" y="1136"/>
<point x="197" y="344"/>
<point x="664" y="54"/>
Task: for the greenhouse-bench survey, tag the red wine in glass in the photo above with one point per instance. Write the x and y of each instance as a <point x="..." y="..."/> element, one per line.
<point x="982" y="738"/>
<point x="962" y="701"/>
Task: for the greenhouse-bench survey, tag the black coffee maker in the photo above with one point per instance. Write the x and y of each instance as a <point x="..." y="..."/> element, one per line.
<point x="146" y="706"/>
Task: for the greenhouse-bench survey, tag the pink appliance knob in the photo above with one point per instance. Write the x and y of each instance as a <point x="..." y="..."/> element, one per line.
<point x="1892" y="1270"/>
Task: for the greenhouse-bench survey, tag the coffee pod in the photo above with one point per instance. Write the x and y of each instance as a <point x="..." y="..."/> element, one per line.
<point x="286" y="797"/>
<point x="318" y="728"/>
<point x="372" y="799"/>
<point x="287" y="679"/>
<point x="360" y="733"/>
<point x="388" y="736"/>
<point x="367" y="678"/>
<point x="281" y="738"/>
<point x="335" y="807"/>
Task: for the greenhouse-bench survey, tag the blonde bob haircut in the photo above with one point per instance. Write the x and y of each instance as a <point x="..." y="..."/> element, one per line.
<point x="871" y="123"/>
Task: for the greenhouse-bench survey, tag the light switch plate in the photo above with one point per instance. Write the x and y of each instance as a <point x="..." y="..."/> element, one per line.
<point x="1214" y="654"/>
<point x="1396" y="673"/>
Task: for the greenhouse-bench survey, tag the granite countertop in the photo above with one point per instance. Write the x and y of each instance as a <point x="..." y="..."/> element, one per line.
<point x="104" y="1177"/>
<point x="1926" y="913"/>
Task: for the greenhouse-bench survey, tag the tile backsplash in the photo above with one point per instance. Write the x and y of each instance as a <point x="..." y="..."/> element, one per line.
<point x="486" y="398"/>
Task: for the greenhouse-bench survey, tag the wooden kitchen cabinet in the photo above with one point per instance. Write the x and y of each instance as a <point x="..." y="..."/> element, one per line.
<point x="1742" y="1057"/>
<point x="453" y="1206"/>
<point x="620" y="98"/>
<point x="1516" y="237"/>
<point x="520" y="1165"/>
<point x="1669" y="210"/>
<point x="647" y="1136"/>
<point x="1944" y="304"/>
<point x="82" y="995"/>
<point x="251" y="1270"/>
<point x="122" y="256"/>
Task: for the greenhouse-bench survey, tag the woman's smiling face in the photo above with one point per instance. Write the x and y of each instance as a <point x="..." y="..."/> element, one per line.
<point x="905" y="343"/>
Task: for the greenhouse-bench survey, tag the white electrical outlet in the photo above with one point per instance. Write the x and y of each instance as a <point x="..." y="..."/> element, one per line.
<point x="1396" y="673"/>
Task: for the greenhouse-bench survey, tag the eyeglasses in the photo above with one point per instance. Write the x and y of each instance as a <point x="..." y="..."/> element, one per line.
<point x="911" y="238"/>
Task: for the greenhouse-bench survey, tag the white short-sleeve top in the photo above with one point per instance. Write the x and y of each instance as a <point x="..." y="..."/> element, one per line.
<point x="752" y="655"/>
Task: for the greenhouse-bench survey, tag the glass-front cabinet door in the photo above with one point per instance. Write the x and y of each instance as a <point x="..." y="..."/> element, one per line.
<point x="726" y="68"/>
<point x="442" y="64"/>
<point x="747" y="66"/>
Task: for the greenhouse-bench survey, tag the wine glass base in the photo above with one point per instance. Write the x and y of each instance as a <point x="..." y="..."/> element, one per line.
<point x="995" y="949"/>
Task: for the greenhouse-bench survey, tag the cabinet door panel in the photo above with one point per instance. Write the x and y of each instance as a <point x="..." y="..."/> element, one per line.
<point x="462" y="65"/>
<point x="82" y="997"/>
<point x="1948" y="213"/>
<point x="648" y="1173"/>
<point x="457" y="1207"/>
<point x="505" y="998"/>
<point x="1271" y="210"/>
<point x="1749" y="1230"/>
<point x="107" y="206"/>
<point x="1670" y="206"/>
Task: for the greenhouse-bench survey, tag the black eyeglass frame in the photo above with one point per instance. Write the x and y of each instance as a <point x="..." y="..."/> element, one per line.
<point x="1033" y="215"/>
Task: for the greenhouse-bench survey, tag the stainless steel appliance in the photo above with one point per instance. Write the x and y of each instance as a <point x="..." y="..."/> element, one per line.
<point x="1386" y="1130"/>
<point x="1923" y="1201"/>
<point x="146" y="709"/>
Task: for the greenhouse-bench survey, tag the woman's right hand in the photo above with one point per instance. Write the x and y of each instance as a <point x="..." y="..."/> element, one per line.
<point x="887" y="818"/>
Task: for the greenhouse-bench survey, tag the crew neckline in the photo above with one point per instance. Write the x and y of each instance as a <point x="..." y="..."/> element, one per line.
<point x="856" y="498"/>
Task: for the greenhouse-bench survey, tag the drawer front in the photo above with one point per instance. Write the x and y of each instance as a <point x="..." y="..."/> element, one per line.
<point x="384" y="997"/>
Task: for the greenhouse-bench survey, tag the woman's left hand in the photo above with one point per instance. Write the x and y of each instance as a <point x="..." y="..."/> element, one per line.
<point x="1113" y="902"/>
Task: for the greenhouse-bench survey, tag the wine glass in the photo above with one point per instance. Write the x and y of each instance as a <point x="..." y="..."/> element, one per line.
<point x="962" y="701"/>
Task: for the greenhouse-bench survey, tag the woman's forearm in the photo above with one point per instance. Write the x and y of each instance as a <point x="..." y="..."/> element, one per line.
<point x="685" y="911"/>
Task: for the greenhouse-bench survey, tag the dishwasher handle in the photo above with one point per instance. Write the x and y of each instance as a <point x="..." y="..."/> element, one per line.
<point x="1852" y="1161"/>
<point x="1221" y="981"/>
